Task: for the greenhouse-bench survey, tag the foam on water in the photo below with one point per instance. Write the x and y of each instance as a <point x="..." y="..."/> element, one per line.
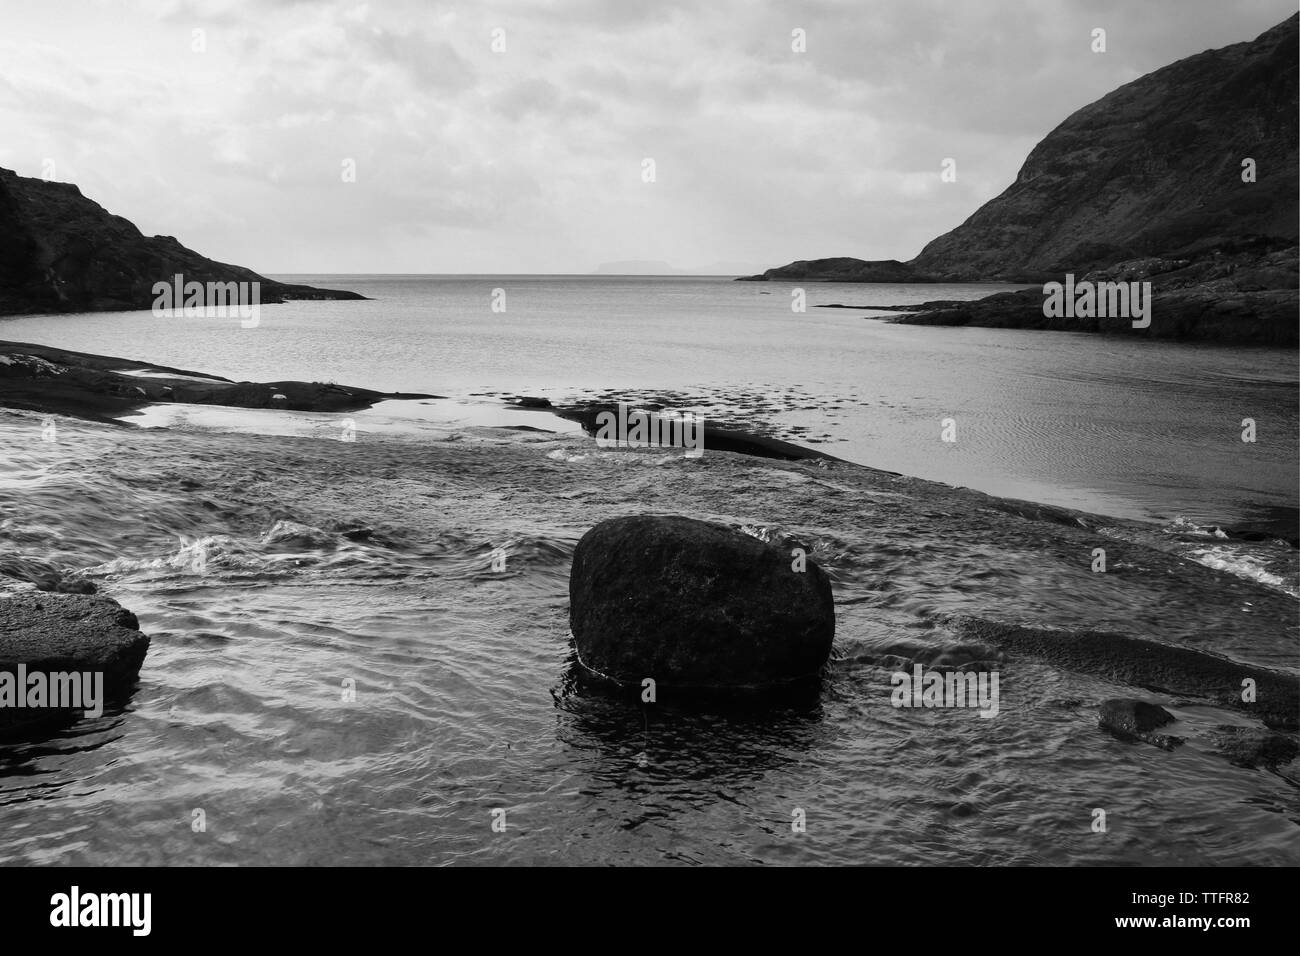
<point x="1244" y="564"/>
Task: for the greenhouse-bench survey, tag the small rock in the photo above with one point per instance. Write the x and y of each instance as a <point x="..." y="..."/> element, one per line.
<point x="1138" y="720"/>
<point x="294" y="536"/>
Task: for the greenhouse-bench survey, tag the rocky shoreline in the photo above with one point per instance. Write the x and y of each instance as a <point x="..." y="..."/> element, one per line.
<point x="42" y="378"/>
<point x="45" y="379"/>
<point x="1240" y="294"/>
<point x="266" y="481"/>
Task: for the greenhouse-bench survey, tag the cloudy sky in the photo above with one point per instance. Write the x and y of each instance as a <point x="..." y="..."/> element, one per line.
<point x="230" y="124"/>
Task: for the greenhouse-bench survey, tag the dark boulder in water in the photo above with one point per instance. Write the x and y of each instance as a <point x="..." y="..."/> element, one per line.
<point x="70" y="631"/>
<point x="1138" y="720"/>
<point x="1133" y="716"/>
<point x="50" y="633"/>
<point x="695" y="605"/>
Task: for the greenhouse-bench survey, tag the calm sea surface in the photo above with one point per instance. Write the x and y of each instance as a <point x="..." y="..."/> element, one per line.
<point x="1110" y="425"/>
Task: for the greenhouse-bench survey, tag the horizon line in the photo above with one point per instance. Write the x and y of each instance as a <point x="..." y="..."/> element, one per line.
<point x="563" y="275"/>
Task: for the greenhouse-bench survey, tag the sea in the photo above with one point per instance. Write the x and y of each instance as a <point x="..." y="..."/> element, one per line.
<point x="242" y="745"/>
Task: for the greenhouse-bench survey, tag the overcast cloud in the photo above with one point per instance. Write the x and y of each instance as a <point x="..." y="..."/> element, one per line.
<point x="530" y="160"/>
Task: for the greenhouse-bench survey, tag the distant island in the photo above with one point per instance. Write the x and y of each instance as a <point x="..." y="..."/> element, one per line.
<point x="62" y="252"/>
<point x="843" y="269"/>
<point x="1185" y="177"/>
<point x="657" y="267"/>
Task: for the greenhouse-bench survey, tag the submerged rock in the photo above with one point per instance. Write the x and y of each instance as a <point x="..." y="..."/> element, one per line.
<point x="1124" y="659"/>
<point x="1137" y="719"/>
<point x="695" y="605"/>
<point x="42" y="632"/>
<point x="1254" y="747"/>
<point x="714" y="438"/>
<point x="43" y="574"/>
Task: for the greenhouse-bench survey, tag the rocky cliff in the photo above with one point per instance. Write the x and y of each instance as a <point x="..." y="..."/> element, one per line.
<point x="61" y="252"/>
<point x="1151" y="169"/>
<point x="1148" y="184"/>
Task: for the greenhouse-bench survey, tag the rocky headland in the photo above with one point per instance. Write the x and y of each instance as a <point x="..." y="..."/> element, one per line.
<point x="842" y="269"/>
<point x="62" y="252"/>
<point x="1185" y="177"/>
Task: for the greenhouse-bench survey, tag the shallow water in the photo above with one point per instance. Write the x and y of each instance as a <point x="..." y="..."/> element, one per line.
<point x="467" y="699"/>
<point x="1110" y="425"/>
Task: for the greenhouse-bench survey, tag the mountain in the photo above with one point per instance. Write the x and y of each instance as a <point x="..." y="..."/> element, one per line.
<point x="1151" y="169"/>
<point x="61" y="252"/>
<point x="1145" y="184"/>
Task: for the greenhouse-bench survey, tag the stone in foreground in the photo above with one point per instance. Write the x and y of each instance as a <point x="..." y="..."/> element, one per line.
<point x="695" y="605"/>
<point x="53" y="633"/>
